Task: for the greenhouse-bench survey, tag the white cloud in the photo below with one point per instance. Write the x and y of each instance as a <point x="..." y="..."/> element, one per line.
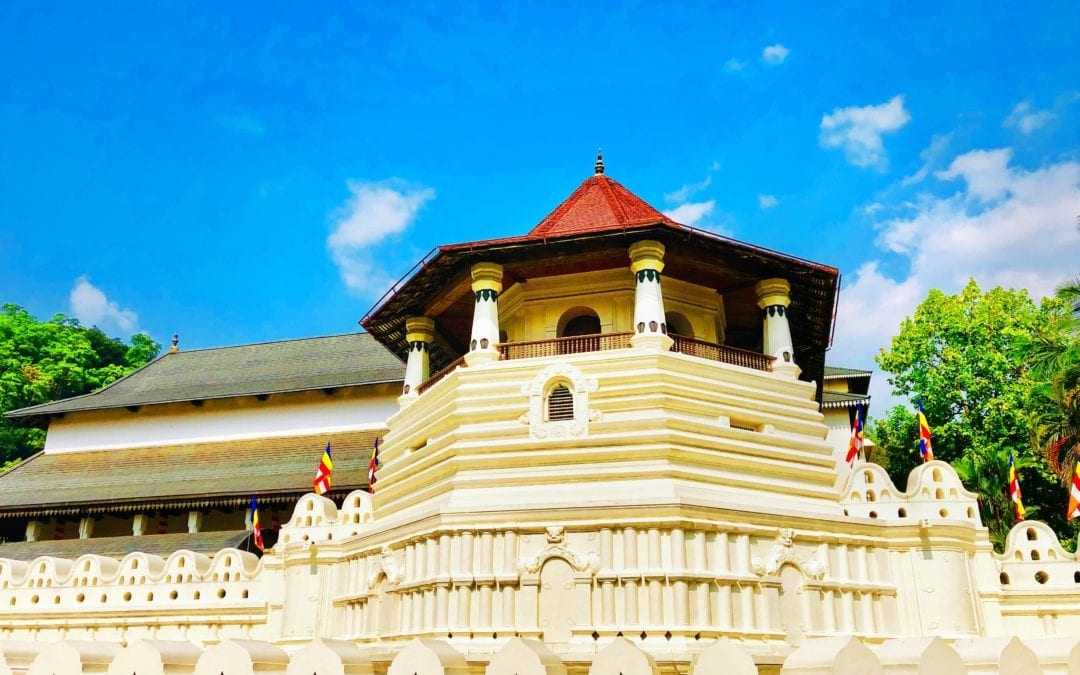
<point x="374" y="212"/>
<point x="775" y="54"/>
<point x="766" y="202"/>
<point x="92" y="307"/>
<point x="858" y="130"/>
<point x="687" y="191"/>
<point x="872" y="208"/>
<point x="1004" y="225"/>
<point x="986" y="172"/>
<point x="734" y="65"/>
<point x="1026" y="118"/>
<point x="691" y="213"/>
<point x="931" y="156"/>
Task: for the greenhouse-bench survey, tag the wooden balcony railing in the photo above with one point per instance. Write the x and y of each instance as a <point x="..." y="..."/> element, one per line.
<point x="606" y="341"/>
<point x="459" y="361"/>
<point x="565" y="345"/>
<point x="721" y="353"/>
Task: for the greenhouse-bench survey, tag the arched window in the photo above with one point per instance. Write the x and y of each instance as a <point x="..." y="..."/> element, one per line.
<point x="578" y="321"/>
<point x="560" y="404"/>
<point x="678" y="323"/>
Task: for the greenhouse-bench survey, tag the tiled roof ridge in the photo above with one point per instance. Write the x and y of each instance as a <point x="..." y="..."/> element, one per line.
<point x="608" y="190"/>
<point x="265" y="342"/>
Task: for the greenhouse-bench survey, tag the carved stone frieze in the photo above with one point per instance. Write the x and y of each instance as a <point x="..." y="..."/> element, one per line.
<point x="783" y="552"/>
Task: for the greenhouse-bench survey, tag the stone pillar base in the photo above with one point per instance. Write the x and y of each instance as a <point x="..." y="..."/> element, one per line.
<point x="655" y="341"/>
<point x="481" y="356"/>
<point x="789" y="369"/>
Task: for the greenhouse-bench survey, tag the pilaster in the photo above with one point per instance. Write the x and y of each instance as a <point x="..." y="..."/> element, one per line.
<point x="650" y="325"/>
<point x="419" y="334"/>
<point x="774" y="298"/>
<point x="486" y="287"/>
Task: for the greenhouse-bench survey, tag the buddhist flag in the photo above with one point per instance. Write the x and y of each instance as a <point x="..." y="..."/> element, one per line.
<point x="321" y="484"/>
<point x="373" y="467"/>
<point x="926" y="447"/>
<point x="1074" y="494"/>
<point x="855" y="444"/>
<point x="1014" y="490"/>
<point x="256" y="526"/>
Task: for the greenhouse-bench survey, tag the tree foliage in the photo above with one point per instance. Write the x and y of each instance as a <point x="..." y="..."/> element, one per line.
<point x="958" y="356"/>
<point x="1054" y="356"/>
<point x="42" y="361"/>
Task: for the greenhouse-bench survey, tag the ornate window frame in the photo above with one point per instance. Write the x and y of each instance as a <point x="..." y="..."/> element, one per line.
<point x="538" y="389"/>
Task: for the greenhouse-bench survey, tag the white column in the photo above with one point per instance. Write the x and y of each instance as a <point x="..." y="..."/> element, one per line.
<point x="650" y="326"/>
<point x="419" y="333"/>
<point x="86" y="527"/>
<point x="195" y="520"/>
<point x="140" y="524"/>
<point x="774" y="297"/>
<point x="35" y="530"/>
<point x="486" y="286"/>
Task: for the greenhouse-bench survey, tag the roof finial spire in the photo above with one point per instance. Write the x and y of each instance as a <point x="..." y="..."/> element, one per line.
<point x="175" y="343"/>
<point x="599" y="161"/>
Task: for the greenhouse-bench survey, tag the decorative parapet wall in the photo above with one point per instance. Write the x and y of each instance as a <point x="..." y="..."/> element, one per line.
<point x="1038" y="589"/>
<point x="934" y="495"/>
<point x="668" y="581"/>
<point x="93" y="597"/>
<point x="669" y="585"/>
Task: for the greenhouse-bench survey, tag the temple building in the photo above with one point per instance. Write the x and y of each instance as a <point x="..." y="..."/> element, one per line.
<point x="843" y="391"/>
<point x="608" y="445"/>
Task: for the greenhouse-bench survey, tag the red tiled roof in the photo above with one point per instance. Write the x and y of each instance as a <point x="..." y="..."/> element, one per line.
<point x="599" y="203"/>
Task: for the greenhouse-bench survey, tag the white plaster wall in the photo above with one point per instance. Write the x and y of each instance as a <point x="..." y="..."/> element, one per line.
<point x="228" y="419"/>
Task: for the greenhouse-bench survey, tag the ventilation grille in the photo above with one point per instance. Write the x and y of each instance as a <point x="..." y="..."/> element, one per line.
<point x="560" y="404"/>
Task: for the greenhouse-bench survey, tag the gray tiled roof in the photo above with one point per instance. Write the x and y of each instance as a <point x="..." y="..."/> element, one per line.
<point x="162" y="545"/>
<point x="160" y="476"/>
<point x="244" y="370"/>
<point x="837" y="373"/>
<point x="841" y="399"/>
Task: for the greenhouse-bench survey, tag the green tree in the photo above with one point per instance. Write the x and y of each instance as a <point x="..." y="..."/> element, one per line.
<point x="1054" y="354"/>
<point x="41" y="361"/>
<point x="957" y="355"/>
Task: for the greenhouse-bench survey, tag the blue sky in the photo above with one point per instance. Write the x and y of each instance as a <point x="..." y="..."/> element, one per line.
<point x="260" y="171"/>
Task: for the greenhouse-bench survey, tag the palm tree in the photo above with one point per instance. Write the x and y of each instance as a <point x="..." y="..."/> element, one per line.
<point x="985" y="471"/>
<point x="1054" y="358"/>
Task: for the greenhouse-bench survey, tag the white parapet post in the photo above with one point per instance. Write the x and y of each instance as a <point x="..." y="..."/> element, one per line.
<point x="419" y="333"/>
<point x="486" y="286"/>
<point x="650" y="326"/>
<point x="774" y="297"/>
